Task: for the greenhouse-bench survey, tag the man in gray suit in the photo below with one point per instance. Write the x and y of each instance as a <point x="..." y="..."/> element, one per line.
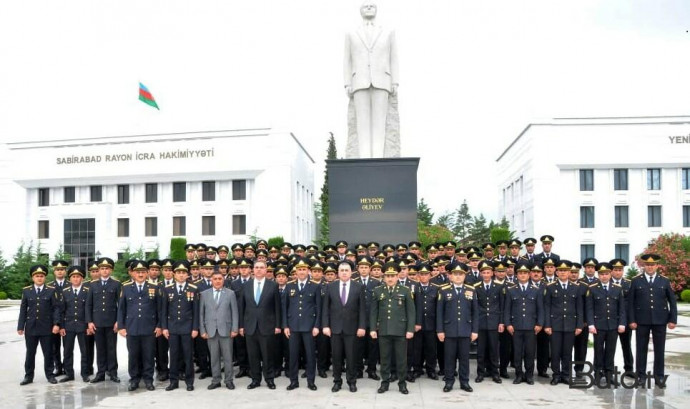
<point x="219" y="323"/>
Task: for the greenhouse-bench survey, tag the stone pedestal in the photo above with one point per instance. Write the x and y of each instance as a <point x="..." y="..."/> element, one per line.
<point x="373" y="200"/>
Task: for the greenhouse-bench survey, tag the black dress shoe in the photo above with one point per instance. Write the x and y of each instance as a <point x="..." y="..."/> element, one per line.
<point x="52" y="380"/>
<point x="505" y="375"/>
<point x="529" y="381"/>
<point x="190" y="388"/>
<point x="312" y="387"/>
<point x="478" y="379"/>
<point x="270" y="384"/>
<point x="466" y="387"/>
<point x="517" y="380"/>
<point x="403" y="389"/>
<point x="383" y="388"/>
<point x="86" y="378"/>
<point x="555" y="381"/>
<point x="230" y="385"/>
<point x="336" y="387"/>
<point x="254" y="384"/>
<point x="98" y="379"/>
<point x="542" y="375"/>
<point x="242" y="373"/>
<point x="205" y="375"/>
<point x="322" y="374"/>
<point x="150" y="387"/>
<point x="133" y="387"/>
<point x="293" y="385"/>
<point x="373" y="375"/>
<point x="497" y="379"/>
<point x="352" y="386"/>
<point x="447" y="387"/>
<point x="565" y="381"/>
<point x="213" y="385"/>
<point x="432" y="375"/>
<point x="360" y="374"/>
<point x="163" y="377"/>
<point x="66" y="379"/>
<point x="115" y="379"/>
<point x="410" y="378"/>
<point x="660" y="383"/>
<point x="172" y="386"/>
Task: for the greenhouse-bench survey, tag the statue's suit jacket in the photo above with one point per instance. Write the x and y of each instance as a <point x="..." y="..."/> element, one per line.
<point x="371" y="64"/>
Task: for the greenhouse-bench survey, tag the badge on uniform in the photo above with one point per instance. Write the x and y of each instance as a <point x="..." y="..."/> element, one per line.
<point x="292" y="292"/>
<point x="449" y="296"/>
<point x="152" y="292"/>
<point x="469" y="294"/>
<point x="190" y="296"/>
<point x="383" y="297"/>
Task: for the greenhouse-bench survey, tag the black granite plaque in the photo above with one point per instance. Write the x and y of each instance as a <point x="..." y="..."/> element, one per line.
<point x="373" y="200"/>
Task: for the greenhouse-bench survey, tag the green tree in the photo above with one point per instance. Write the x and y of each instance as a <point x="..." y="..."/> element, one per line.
<point x="424" y="213"/>
<point x="16" y="276"/>
<point x="432" y="234"/>
<point x="177" y="245"/>
<point x="322" y="207"/>
<point x="120" y="271"/>
<point x="500" y="233"/>
<point x="275" y="241"/>
<point x="462" y="222"/>
<point x="445" y="220"/>
<point x="479" y="233"/>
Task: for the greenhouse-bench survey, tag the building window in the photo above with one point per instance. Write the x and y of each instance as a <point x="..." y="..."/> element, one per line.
<point x="239" y="224"/>
<point x="80" y="240"/>
<point x="620" y="179"/>
<point x="179" y="226"/>
<point x="208" y="225"/>
<point x="686" y="216"/>
<point x="44" y="197"/>
<point x="621" y="216"/>
<point x="151" y="192"/>
<point x="239" y="190"/>
<point x="586" y="217"/>
<point x="123" y="227"/>
<point x="120" y="256"/>
<point x="179" y="192"/>
<point x="151" y="227"/>
<point x="97" y="193"/>
<point x="43" y="229"/>
<point x="122" y="194"/>
<point x="586" y="250"/>
<point x="623" y="251"/>
<point x="69" y="194"/>
<point x="208" y="191"/>
<point x="653" y="179"/>
<point x="653" y="216"/>
<point x="686" y="178"/>
<point x="586" y="179"/>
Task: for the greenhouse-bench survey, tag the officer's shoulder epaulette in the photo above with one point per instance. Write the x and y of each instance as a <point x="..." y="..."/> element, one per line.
<point x="434" y="284"/>
<point x="576" y="283"/>
<point x="170" y="285"/>
<point x="551" y="283"/>
<point x="446" y="287"/>
<point x="626" y="279"/>
<point x="114" y="279"/>
<point x="127" y="283"/>
<point x="471" y="287"/>
<point x="27" y="287"/>
<point x="615" y="285"/>
<point x="314" y="282"/>
<point x="594" y="285"/>
<point x="192" y="286"/>
<point x="356" y="279"/>
<point x="196" y="281"/>
<point x="376" y="279"/>
<point x="637" y="276"/>
<point x="83" y="287"/>
<point x="50" y="286"/>
<point x="66" y="289"/>
<point x="477" y="284"/>
<point x="291" y="281"/>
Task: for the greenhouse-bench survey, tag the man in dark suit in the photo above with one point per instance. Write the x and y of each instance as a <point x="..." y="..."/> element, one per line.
<point x="73" y="322"/>
<point x="344" y="320"/>
<point x="546" y="244"/>
<point x="101" y="314"/>
<point x="60" y="283"/>
<point x="39" y="319"/>
<point x="490" y="303"/>
<point x="652" y="308"/>
<point x="617" y="267"/>
<point x="301" y="322"/>
<point x="260" y="310"/>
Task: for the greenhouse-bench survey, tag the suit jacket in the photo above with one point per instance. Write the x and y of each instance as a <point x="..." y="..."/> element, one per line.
<point x="103" y="302"/>
<point x="344" y="319"/>
<point x="564" y="309"/>
<point x="138" y="312"/>
<point x="541" y="256"/>
<point x="606" y="309"/>
<point x="425" y="306"/>
<point x="74" y="309"/>
<point x="457" y="315"/>
<point x="652" y="304"/>
<point x="180" y="311"/>
<point x="39" y="312"/>
<point x="222" y="318"/>
<point x="371" y="63"/>
<point x="301" y="309"/>
<point x="392" y="313"/>
<point x="263" y="317"/>
<point x="523" y="310"/>
<point x="490" y="305"/>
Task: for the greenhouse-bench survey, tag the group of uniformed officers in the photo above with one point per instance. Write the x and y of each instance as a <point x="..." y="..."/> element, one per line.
<point x="269" y="309"/>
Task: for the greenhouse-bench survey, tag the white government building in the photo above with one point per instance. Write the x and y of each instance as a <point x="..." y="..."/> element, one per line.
<point x="602" y="187"/>
<point x="98" y="196"/>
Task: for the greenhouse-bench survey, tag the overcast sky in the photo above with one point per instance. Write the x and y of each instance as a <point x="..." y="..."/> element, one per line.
<point x="473" y="74"/>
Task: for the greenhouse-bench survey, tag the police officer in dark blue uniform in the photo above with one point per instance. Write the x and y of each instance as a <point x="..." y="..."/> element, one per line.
<point x="546" y="244"/>
<point x="523" y="316"/>
<point x="237" y="285"/>
<point x="425" y="353"/>
<point x="60" y="283"/>
<point x="490" y="302"/>
<point x="652" y="309"/>
<point x="457" y="324"/>
<point x="180" y="324"/>
<point x="564" y="315"/>
<point x="301" y="322"/>
<point x="203" y="355"/>
<point x="101" y="315"/>
<point x="73" y="322"/>
<point x="617" y="270"/>
<point x="39" y="319"/>
<point x="606" y="317"/>
<point x="138" y="320"/>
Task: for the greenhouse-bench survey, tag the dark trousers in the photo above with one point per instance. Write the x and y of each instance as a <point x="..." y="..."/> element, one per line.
<point x="260" y="350"/>
<point x="505" y="350"/>
<point x="604" y="350"/>
<point x="68" y="341"/>
<point x="457" y="349"/>
<point x="32" y="342"/>
<point x="141" y="355"/>
<point x="323" y="352"/>
<point x="626" y="346"/>
<point x="57" y="356"/>
<point x="580" y="347"/>
<point x="182" y="349"/>
<point x="106" y="351"/>
<point x="659" y="342"/>
<point x="393" y="346"/>
<point x="561" y="353"/>
<point x="369" y="348"/>
<point x="487" y="353"/>
<point x="343" y="349"/>
<point x="304" y="342"/>
<point x="202" y="355"/>
<point x="162" y="347"/>
<point x="440" y="356"/>
<point x="425" y="351"/>
<point x="282" y="355"/>
<point x="524" y="345"/>
<point x="543" y="352"/>
<point x="90" y="352"/>
<point x="240" y="350"/>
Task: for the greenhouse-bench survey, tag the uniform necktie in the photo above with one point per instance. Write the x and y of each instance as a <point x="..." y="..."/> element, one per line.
<point x="301" y="287"/>
<point x="486" y="287"/>
<point x="208" y="283"/>
<point x="523" y="288"/>
<point x="457" y="290"/>
<point x="103" y="282"/>
<point x="364" y="283"/>
<point x="140" y="287"/>
<point x="651" y="280"/>
<point x="179" y="289"/>
<point x="424" y="288"/>
<point x="257" y="295"/>
<point x="216" y="295"/>
<point x="76" y="292"/>
<point x="606" y="288"/>
<point x="343" y="296"/>
<point x="38" y="290"/>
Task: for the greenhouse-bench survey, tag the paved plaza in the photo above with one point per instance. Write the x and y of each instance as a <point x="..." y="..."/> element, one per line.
<point x="424" y="393"/>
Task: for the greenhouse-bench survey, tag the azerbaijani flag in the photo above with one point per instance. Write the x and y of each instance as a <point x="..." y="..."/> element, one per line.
<point x="146" y="97"/>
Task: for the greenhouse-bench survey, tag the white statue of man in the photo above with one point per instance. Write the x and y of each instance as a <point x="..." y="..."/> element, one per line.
<point x="371" y="76"/>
